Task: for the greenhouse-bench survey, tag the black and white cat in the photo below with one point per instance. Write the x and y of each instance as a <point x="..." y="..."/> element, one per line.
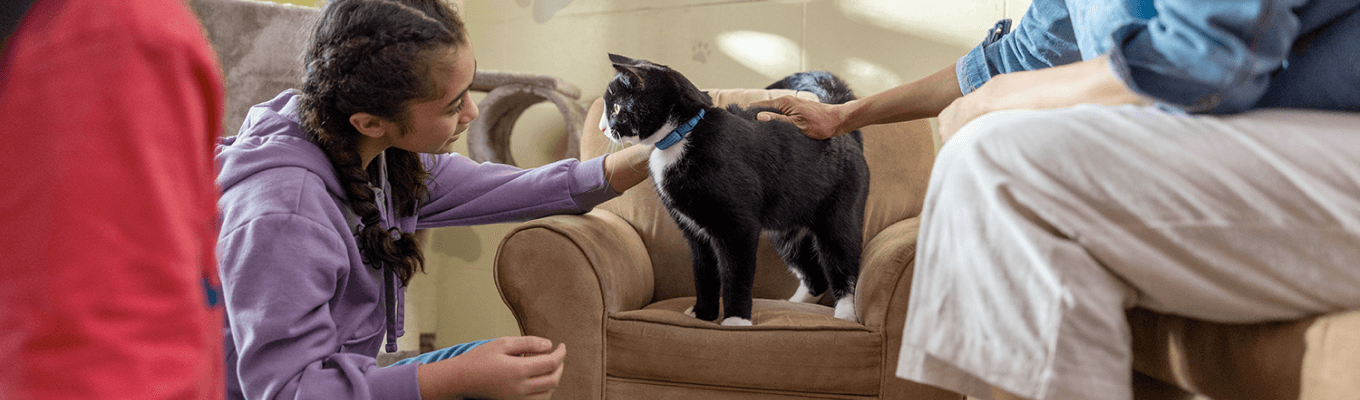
<point x="725" y="178"/>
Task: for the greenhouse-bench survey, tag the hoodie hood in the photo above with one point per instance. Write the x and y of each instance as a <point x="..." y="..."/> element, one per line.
<point x="272" y="137"/>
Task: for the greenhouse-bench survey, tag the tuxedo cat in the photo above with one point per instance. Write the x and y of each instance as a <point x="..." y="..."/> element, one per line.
<point x="725" y="177"/>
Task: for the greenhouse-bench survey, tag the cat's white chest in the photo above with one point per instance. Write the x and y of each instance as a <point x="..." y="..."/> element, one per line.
<point x="662" y="161"/>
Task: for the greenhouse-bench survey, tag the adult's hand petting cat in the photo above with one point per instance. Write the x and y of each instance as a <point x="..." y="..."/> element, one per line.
<point x="923" y="98"/>
<point x="817" y="120"/>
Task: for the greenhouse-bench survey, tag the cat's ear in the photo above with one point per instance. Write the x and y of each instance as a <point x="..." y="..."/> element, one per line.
<point x="625" y="64"/>
<point x="618" y="59"/>
<point x="628" y="67"/>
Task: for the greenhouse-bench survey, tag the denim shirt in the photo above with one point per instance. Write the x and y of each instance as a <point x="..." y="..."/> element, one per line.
<point x="1214" y="56"/>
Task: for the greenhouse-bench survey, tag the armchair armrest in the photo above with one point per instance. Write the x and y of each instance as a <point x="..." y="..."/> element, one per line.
<point x="885" y="276"/>
<point x="563" y="275"/>
<point x="881" y="297"/>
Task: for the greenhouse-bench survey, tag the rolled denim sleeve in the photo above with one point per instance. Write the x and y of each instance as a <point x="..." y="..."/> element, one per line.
<point x="1043" y="38"/>
<point x="1206" y="56"/>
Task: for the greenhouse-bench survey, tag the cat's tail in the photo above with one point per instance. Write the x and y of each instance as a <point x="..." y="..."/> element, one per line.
<point x="828" y="87"/>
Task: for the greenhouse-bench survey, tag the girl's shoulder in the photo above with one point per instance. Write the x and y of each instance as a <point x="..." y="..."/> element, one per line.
<point x="291" y="191"/>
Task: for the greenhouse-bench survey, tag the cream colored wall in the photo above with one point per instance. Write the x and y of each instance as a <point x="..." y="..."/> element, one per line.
<point x="873" y="44"/>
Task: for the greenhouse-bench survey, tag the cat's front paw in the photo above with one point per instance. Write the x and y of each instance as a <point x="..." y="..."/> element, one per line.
<point x="690" y="312"/>
<point x="736" y="321"/>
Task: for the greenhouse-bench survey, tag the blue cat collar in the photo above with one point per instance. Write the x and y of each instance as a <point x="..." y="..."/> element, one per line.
<point x="679" y="132"/>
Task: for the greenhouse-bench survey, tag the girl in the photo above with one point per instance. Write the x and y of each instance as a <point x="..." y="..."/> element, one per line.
<point x="323" y="187"/>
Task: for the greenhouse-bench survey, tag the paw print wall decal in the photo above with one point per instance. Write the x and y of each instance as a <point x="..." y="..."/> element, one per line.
<point x="701" y="52"/>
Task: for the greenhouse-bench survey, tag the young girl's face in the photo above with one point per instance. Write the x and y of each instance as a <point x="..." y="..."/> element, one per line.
<point x="435" y="124"/>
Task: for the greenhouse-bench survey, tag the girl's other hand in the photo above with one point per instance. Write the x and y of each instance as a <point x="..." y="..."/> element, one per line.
<point x="523" y="367"/>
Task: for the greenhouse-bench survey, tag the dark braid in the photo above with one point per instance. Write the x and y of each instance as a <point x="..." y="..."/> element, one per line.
<point x="374" y="56"/>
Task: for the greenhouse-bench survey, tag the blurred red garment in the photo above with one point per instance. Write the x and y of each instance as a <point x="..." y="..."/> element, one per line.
<point x="108" y="215"/>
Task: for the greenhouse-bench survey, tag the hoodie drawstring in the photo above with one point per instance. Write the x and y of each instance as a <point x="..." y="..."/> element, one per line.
<point x="389" y="278"/>
<point x="390" y="297"/>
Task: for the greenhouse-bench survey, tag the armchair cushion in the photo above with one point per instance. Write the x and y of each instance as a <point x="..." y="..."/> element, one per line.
<point x="796" y="347"/>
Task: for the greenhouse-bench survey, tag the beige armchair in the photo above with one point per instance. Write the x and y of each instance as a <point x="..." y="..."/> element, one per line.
<point x="612" y="284"/>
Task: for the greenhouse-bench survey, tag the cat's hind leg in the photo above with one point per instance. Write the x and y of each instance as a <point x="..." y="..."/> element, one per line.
<point x="838" y="243"/>
<point x="798" y="250"/>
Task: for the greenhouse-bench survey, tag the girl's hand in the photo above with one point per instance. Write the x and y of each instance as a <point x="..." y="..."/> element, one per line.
<point x="627" y="168"/>
<point x="816" y="120"/>
<point x="509" y="368"/>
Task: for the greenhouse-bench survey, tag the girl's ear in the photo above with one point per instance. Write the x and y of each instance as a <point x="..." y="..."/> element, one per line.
<point x="370" y="125"/>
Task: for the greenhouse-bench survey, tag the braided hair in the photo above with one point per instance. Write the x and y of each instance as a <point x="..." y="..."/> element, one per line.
<point x="375" y="56"/>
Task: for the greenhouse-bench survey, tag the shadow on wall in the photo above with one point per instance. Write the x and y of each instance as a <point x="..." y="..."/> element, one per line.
<point x="457" y="242"/>
<point x="544" y="9"/>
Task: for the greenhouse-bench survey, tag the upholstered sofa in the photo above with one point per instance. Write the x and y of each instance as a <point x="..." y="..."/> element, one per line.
<point x="613" y="284"/>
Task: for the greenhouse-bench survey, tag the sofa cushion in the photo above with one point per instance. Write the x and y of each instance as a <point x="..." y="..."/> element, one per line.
<point x="791" y="347"/>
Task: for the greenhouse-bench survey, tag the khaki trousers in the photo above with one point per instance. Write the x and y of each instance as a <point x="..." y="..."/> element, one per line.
<point x="1040" y="229"/>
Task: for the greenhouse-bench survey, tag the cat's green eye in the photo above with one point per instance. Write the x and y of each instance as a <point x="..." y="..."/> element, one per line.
<point x="617" y="108"/>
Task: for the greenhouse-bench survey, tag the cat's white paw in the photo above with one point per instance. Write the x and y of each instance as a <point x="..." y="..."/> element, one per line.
<point x="803" y="295"/>
<point x="690" y="312"/>
<point x="736" y="321"/>
<point x="845" y="308"/>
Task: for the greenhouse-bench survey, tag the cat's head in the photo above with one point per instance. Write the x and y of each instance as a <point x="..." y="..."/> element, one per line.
<point x="645" y="101"/>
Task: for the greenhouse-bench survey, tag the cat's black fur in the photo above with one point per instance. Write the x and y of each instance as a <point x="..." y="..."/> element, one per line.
<point x="733" y="177"/>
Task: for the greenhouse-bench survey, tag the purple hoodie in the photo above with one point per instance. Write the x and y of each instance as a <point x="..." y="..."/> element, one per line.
<point x="305" y="316"/>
